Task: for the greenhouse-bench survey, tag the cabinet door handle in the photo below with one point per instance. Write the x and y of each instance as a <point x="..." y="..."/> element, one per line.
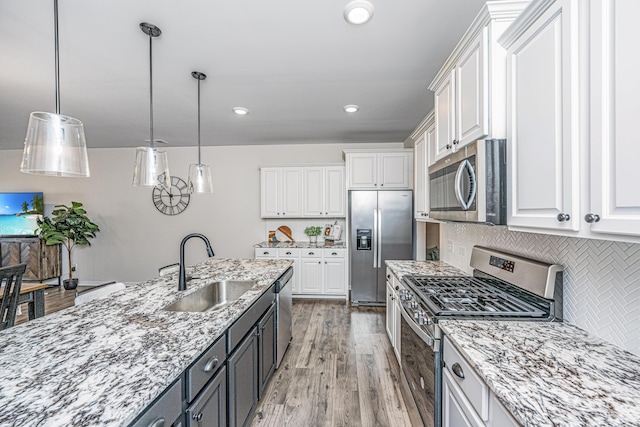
<point x="311" y="253"/>
<point x="456" y="142"/>
<point x="592" y="218"/>
<point x="211" y="364"/>
<point x="197" y="417"/>
<point x="448" y="146"/>
<point x="157" y="423"/>
<point x="563" y="217"/>
<point x="265" y="253"/>
<point x="457" y="369"/>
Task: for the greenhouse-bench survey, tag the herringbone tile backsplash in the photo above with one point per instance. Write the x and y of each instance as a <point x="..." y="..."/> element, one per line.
<point x="601" y="279"/>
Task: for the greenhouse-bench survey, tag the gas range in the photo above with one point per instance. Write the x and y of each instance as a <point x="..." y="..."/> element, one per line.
<point x="503" y="287"/>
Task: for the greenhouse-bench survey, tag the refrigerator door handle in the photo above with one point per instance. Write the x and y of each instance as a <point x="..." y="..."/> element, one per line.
<point x="374" y="238"/>
<point x="379" y="238"/>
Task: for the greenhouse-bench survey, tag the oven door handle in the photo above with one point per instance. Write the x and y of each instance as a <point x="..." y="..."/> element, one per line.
<point x="428" y="339"/>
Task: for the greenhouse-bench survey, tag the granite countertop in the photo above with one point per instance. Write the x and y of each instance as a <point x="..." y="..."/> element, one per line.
<point x="423" y="268"/>
<point x="298" y="245"/>
<point x="103" y="362"/>
<point x="545" y="374"/>
<point x="552" y="374"/>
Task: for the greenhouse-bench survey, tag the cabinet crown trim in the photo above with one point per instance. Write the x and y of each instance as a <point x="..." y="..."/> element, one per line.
<point x="528" y="16"/>
<point x="491" y="11"/>
<point x="422" y="127"/>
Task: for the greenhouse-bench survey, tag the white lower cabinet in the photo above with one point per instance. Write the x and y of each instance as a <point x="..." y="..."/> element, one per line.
<point x="466" y="399"/>
<point x="393" y="313"/>
<point x="317" y="272"/>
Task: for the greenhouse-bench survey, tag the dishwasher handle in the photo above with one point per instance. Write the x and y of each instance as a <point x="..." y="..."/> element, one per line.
<point x="282" y="281"/>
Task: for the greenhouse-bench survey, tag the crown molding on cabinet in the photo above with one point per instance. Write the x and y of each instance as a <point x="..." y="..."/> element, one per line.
<point x="528" y="16"/>
<point x="492" y="11"/>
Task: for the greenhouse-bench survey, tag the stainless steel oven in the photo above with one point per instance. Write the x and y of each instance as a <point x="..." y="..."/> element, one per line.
<point x="503" y="287"/>
<point x="420" y="357"/>
<point x="469" y="185"/>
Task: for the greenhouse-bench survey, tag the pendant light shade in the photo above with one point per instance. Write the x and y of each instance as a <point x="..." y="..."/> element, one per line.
<point x="151" y="168"/>
<point x="200" y="181"/>
<point x="55" y="145"/>
<point x="152" y="165"/>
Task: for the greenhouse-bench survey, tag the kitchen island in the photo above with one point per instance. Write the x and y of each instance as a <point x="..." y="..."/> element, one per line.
<point x="543" y="373"/>
<point x="104" y="362"/>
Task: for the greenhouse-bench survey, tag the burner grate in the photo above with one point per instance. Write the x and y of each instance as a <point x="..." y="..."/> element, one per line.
<point x="469" y="296"/>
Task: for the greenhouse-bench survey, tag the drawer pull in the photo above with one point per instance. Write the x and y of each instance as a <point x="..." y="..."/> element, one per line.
<point x="265" y="253"/>
<point x="211" y="364"/>
<point x="311" y="253"/>
<point x="334" y="253"/>
<point x="457" y="369"/>
<point x="197" y="417"/>
<point x="288" y="253"/>
<point x="157" y="423"/>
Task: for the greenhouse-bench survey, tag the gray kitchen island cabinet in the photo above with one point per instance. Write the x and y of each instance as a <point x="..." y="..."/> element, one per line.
<point x="243" y="380"/>
<point x="210" y="408"/>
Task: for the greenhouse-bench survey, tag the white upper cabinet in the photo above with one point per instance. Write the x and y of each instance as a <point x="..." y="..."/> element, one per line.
<point x="469" y="90"/>
<point x="422" y="137"/>
<point x="615" y="103"/>
<point x="298" y="192"/>
<point x="281" y="192"/>
<point x="542" y="115"/>
<point x="573" y="96"/>
<point x="379" y="170"/>
<point x="323" y="191"/>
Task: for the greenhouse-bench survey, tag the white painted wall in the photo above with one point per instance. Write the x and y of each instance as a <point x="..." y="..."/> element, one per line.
<point x="135" y="238"/>
<point x="601" y="278"/>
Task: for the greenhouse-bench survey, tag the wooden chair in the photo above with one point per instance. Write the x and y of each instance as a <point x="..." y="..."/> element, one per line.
<point x="11" y="279"/>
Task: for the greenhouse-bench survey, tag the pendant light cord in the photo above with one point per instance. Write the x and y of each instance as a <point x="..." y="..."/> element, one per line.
<point x="199" y="163"/>
<point x="57" y="54"/>
<point x="151" y="142"/>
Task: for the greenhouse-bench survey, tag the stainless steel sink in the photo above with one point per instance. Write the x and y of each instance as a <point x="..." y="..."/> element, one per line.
<point x="213" y="296"/>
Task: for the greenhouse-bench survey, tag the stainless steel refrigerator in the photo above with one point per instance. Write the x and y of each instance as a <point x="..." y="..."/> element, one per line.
<point x="380" y="229"/>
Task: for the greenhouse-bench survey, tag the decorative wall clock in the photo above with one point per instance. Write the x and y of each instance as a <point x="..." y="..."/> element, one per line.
<point x="172" y="200"/>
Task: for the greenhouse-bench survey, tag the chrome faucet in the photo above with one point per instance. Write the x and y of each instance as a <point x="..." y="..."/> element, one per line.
<point x="182" y="278"/>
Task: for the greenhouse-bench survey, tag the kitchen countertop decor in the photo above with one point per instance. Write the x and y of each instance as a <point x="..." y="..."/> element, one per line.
<point x="299" y="245"/>
<point x="104" y="362"/>
<point x="552" y="374"/>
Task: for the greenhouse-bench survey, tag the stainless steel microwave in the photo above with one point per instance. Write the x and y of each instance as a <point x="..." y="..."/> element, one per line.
<point x="470" y="184"/>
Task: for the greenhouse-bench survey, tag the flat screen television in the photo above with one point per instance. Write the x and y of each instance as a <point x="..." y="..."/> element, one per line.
<point x="18" y="213"/>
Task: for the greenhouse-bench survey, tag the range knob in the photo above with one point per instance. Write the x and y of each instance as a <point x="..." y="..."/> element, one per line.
<point x="413" y="304"/>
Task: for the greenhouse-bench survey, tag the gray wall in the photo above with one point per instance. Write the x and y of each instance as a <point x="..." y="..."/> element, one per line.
<point x="602" y="278"/>
<point x="136" y="239"/>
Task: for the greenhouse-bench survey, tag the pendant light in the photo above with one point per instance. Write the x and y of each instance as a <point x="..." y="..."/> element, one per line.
<point x="55" y="144"/>
<point x="152" y="165"/>
<point x="199" y="174"/>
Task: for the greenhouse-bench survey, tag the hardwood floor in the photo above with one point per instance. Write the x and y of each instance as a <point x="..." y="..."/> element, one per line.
<point x="340" y="370"/>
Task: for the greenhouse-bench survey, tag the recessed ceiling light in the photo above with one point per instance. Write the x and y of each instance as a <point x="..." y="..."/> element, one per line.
<point x="241" y="111"/>
<point x="358" y="12"/>
<point x="351" y="108"/>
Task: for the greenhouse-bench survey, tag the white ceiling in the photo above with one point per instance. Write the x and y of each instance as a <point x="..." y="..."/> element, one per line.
<point x="293" y="63"/>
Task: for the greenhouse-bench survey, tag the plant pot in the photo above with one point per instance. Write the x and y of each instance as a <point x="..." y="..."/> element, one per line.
<point x="70" y="284"/>
<point x="313" y="240"/>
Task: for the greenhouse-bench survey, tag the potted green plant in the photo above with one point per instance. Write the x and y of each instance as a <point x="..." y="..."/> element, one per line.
<point x="313" y="232"/>
<point x="70" y="226"/>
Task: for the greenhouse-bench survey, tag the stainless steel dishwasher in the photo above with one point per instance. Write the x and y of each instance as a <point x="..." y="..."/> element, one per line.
<point x="284" y="316"/>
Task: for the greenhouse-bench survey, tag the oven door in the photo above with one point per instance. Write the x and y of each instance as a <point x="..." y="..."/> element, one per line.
<point x="420" y="355"/>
